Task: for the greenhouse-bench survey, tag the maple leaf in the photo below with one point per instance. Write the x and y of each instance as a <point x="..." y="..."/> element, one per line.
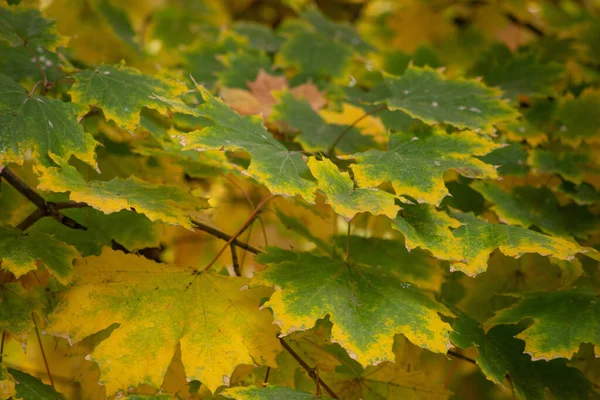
<point x="46" y="126"/>
<point x="344" y="198"/>
<point x="260" y="98"/>
<point x="562" y="320"/>
<point x="479" y="238"/>
<point x="414" y="163"/>
<point x="501" y="355"/>
<point x="26" y="26"/>
<point x="215" y="320"/>
<point x="269" y="393"/>
<point x="423" y="226"/>
<point x="170" y="204"/>
<point x="121" y="92"/>
<point x="29" y="387"/>
<point x="567" y="163"/>
<point x="281" y="171"/>
<point x="367" y="305"/>
<point x="17" y="305"/>
<point x="527" y="206"/>
<point x="21" y="252"/>
<point x="579" y="118"/>
<point x="17" y="63"/>
<point x="426" y="94"/>
<point x="316" y="134"/>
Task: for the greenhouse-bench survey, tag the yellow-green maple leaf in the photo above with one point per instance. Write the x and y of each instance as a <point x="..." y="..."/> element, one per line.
<point x="214" y="318"/>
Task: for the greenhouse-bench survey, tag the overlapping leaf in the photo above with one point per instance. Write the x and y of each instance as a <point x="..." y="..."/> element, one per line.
<point x="122" y="92"/>
<point x="26" y="26"/>
<point x="17" y="305"/>
<point x="169" y="204"/>
<point x="22" y="252"/>
<point x="214" y="319"/>
<point x="501" y="355"/>
<point x="31" y="388"/>
<point x="46" y="126"/>
<point x="426" y="94"/>
<point x="414" y="163"/>
<point x="367" y="305"/>
<point x="345" y="199"/>
<point x="281" y="171"/>
<point x="269" y="393"/>
<point x="562" y="320"/>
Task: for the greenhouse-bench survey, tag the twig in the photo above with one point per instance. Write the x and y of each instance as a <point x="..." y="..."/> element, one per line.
<point x="348" y="244"/>
<point x="37" y="62"/>
<point x="224" y="236"/>
<point x="37" y="331"/>
<point x="35" y="198"/>
<point x="235" y="235"/>
<point x="352" y="125"/>
<point x="2" y="348"/>
<point x="311" y="371"/>
<point x="461" y="356"/>
<point x="267" y="376"/>
<point x="234" y="260"/>
<point x="32" y="219"/>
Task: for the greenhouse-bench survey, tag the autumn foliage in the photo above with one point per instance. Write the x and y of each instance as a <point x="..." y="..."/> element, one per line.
<point x="345" y="199"/>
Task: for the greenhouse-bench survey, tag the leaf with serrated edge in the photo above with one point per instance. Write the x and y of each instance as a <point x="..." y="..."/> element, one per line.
<point x="46" y="126"/>
<point x="344" y="198"/>
<point x="121" y="92"/>
<point x="426" y="94"/>
<point x="170" y="204"/>
<point x="21" y="25"/>
<point x="562" y="320"/>
<point x="16" y="306"/>
<point x="478" y="239"/>
<point x="415" y="162"/>
<point x="21" y="252"/>
<point x="281" y="171"/>
<point x="214" y="318"/>
<point x="367" y="305"/>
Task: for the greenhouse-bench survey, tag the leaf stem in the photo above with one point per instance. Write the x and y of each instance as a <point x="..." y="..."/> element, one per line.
<point x="224" y="236"/>
<point x="352" y="125"/>
<point x="2" y="346"/>
<point x="37" y="62"/>
<point x="239" y="231"/>
<point x="311" y="371"/>
<point x="37" y="332"/>
<point x="348" y="244"/>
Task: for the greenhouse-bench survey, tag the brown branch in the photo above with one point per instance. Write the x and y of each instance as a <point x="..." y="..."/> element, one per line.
<point x="224" y="236"/>
<point x="2" y="349"/>
<point x="234" y="260"/>
<point x="32" y="219"/>
<point x="311" y="371"/>
<point x="352" y="125"/>
<point x="461" y="356"/>
<point x="235" y="235"/>
<point x="31" y="195"/>
<point x="37" y="331"/>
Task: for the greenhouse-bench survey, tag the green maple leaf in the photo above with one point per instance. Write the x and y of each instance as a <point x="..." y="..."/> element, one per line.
<point x="583" y="194"/>
<point x="414" y="163"/>
<point x="424" y="226"/>
<point x="517" y="74"/>
<point x="17" y="63"/>
<point x="17" y="305"/>
<point x="215" y="320"/>
<point x="31" y="388"/>
<point x="512" y="160"/>
<point x="46" y="126"/>
<point x="21" y="25"/>
<point x="312" y="54"/>
<point x="21" y="252"/>
<point x="500" y="355"/>
<point x="578" y="117"/>
<point x="118" y="20"/>
<point x="281" y="171"/>
<point x="426" y="94"/>
<point x="562" y="320"/>
<point x="121" y="92"/>
<point x="528" y="206"/>
<point x="478" y="239"/>
<point x="565" y="162"/>
<point x="259" y="36"/>
<point x="170" y="204"/>
<point x="315" y="133"/>
<point x="367" y="305"/>
<point x="269" y="393"/>
<point x="345" y="199"/>
<point x="242" y="67"/>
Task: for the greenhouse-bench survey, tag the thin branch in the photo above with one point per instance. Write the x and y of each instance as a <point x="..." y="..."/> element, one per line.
<point x="32" y="219"/>
<point x="37" y="331"/>
<point x="267" y="376"/>
<point x="352" y="125"/>
<point x="224" y="236"/>
<point x="35" y="198"/>
<point x="2" y="349"/>
<point x="461" y="356"/>
<point x="311" y="371"/>
<point x="348" y="244"/>
<point x="235" y="235"/>
<point x="234" y="260"/>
